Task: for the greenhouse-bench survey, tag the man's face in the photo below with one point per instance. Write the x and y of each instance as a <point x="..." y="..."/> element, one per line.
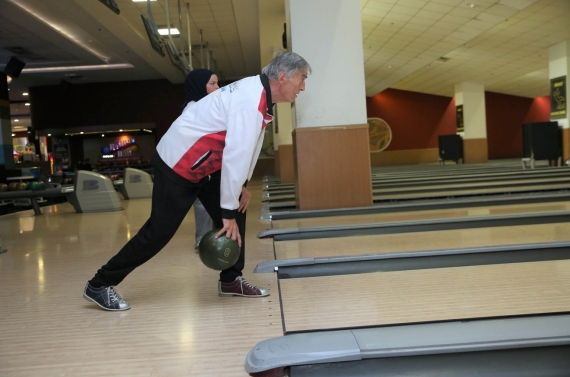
<point x="291" y="87"/>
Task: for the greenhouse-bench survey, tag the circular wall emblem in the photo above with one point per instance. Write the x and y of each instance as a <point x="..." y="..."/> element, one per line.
<point x="379" y="134"/>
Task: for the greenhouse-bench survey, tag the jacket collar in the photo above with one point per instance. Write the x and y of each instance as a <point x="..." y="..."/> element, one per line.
<point x="267" y="87"/>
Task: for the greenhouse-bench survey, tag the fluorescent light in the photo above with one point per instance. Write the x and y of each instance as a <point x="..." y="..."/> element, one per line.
<point x="13" y="135"/>
<point x="27" y="104"/>
<point x="173" y="31"/>
<point x="49" y="134"/>
<point x="78" y="68"/>
<point x="24" y="94"/>
<point x="16" y="120"/>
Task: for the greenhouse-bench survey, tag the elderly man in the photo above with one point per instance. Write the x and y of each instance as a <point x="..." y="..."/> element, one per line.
<point x="209" y="153"/>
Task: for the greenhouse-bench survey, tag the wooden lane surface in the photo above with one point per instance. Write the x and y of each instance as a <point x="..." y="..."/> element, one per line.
<point x="290" y="198"/>
<point x="421" y="215"/>
<point x="429" y="181"/>
<point x="474" y="185"/>
<point x="435" y="240"/>
<point x="425" y="295"/>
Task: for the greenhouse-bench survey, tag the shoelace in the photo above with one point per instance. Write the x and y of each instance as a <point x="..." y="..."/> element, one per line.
<point x="243" y="281"/>
<point x="114" y="295"/>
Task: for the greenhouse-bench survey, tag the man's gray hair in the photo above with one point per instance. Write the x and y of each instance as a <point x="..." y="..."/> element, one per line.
<point x="288" y="62"/>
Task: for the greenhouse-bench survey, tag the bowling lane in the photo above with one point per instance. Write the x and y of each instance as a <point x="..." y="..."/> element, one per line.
<point x="435" y="240"/>
<point x="421" y="215"/>
<point x="425" y="295"/>
<point x="290" y="199"/>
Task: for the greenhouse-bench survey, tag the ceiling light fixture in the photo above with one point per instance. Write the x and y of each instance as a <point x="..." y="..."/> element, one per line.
<point x="24" y="94"/>
<point x="16" y="120"/>
<point x="173" y="31"/>
<point x="27" y="104"/>
<point x="78" y="68"/>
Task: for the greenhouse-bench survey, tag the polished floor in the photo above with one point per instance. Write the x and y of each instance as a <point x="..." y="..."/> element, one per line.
<point x="177" y="325"/>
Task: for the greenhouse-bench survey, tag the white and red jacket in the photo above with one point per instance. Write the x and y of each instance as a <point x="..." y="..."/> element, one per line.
<point x="223" y="131"/>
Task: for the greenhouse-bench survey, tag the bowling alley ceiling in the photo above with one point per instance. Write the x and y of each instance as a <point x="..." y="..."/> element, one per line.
<point x="416" y="45"/>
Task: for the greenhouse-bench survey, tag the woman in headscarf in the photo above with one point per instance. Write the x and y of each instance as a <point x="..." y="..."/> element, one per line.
<point x="197" y="85"/>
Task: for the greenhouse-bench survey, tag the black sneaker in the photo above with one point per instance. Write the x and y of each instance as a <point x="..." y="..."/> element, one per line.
<point x="106" y="297"/>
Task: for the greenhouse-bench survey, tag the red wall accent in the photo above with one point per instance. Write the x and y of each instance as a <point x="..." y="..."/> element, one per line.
<point x="416" y="119"/>
<point x="539" y="110"/>
<point x="505" y="116"/>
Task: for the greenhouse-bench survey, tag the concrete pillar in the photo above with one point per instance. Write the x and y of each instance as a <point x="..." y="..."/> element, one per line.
<point x="330" y="130"/>
<point x="6" y="144"/>
<point x="271" y="20"/>
<point x="471" y="97"/>
<point x="558" y="68"/>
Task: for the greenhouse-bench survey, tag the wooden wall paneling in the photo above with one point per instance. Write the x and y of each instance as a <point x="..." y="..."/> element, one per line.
<point x="276" y="163"/>
<point x="333" y="167"/>
<point x="405" y="157"/>
<point x="475" y="151"/>
<point x="263" y="167"/>
<point x="565" y="144"/>
<point x="286" y="164"/>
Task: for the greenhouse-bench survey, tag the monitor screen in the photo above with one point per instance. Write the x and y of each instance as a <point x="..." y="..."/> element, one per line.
<point x="153" y="36"/>
<point x="111" y="4"/>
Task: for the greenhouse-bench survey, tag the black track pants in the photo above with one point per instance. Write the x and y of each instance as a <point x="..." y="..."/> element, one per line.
<point x="170" y="204"/>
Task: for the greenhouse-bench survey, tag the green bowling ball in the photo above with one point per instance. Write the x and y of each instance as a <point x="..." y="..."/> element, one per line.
<point x="34" y="186"/>
<point x="218" y="253"/>
<point x="42" y="185"/>
<point x="3" y="187"/>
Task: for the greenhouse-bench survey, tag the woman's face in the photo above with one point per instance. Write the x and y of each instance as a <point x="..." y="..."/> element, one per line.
<point x="212" y="84"/>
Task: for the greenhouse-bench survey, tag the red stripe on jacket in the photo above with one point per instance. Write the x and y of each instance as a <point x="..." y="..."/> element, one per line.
<point x="190" y="167"/>
<point x="263" y="110"/>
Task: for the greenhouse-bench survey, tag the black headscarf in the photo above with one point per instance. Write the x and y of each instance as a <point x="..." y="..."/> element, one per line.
<point x="195" y="84"/>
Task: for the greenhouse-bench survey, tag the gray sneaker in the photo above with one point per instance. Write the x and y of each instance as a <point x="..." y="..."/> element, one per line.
<point x="106" y="297"/>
